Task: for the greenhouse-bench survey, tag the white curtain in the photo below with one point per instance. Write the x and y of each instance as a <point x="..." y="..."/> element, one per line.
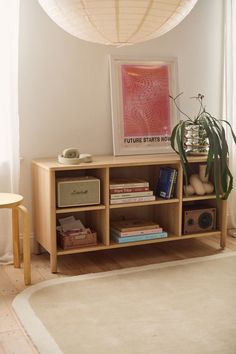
<point x="9" y="123"/>
<point x="229" y="106"/>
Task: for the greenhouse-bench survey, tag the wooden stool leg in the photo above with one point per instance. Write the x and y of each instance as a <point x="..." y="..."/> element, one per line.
<point x="15" y="238"/>
<point x="26" y="245"/>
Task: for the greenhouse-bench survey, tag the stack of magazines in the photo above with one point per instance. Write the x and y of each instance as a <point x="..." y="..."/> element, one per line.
<point x="130" y="190"/>
<point x="72" y="234"/>
<point x="123" y="231"/>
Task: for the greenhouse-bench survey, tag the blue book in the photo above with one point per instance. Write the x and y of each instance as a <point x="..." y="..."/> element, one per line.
<point x="118" y="239"/>
<point x="165" y="182"/>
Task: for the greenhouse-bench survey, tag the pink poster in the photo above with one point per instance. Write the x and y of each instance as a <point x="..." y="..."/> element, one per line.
<point x="145" y="91"/>
<point x="142" y="113"/>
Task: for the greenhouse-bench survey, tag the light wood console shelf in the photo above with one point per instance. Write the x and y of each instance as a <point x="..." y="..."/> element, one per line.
<point x="168" y="213"/>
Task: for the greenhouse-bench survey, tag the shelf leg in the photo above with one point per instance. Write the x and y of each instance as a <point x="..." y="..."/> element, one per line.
<point x="37" y="248"/>
<point x="223" y="240"/>
<point x="53" y="263"/>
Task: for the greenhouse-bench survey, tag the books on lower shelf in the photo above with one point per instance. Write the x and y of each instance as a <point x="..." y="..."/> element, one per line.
<point x="166" y="182"/>
<point x="130" y="190"/>
<point x="118" y="239"/>
<point x="133" y="225"/>
<point x="136" y="233"/>
<point x="135" y="230"/>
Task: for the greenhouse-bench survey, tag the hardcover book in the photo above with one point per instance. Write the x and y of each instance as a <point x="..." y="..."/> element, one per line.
<point x="133" y="225"/>
<point x="133" y="200"/>
<point x="136" y="238"/>
<point x="128" y="190"/>
<point x="136" y="232"/>
<point x="165" y="182"/>
<point x="131" y="195"/>
<point x="127" y="183"/>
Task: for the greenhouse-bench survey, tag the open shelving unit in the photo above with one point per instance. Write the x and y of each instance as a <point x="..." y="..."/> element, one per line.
<point x="166" y="212"/>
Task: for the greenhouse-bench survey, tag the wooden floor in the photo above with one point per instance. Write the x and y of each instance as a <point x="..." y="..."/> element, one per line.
<point x="13" y="340"/>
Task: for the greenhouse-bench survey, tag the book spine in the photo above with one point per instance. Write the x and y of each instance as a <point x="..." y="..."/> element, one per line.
<point x="128" y="190"/>
<point x="132" y="200"/>
<point x="138" y="238"/>
<point x="173" y="183"/>
<point x="129" y="185"/>
<point x="136" y="232"/>
<point x="131" y="195"/>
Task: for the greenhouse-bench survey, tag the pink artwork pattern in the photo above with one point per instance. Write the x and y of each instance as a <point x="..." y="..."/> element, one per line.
<point x="146" y="110"/>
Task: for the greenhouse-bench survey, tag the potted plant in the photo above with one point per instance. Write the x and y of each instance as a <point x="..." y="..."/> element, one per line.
<point x="204" y="134"/>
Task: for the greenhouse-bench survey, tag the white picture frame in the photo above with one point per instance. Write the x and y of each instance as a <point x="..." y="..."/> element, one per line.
<point x="142" y="111"/>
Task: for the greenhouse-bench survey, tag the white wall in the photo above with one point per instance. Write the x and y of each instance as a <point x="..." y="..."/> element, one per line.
<point x="64" y="97"/>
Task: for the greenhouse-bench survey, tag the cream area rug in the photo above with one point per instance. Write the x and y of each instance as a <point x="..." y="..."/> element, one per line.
<point x="178" y="307"/>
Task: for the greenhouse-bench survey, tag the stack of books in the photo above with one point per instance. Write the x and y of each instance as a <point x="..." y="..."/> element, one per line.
<point x="130" y="190"/>
<point x="166" y="182"/>
<point x="135" y="230"/>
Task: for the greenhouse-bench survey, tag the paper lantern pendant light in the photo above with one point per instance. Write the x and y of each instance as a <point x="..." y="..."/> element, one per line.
<point x="117" y="22"/>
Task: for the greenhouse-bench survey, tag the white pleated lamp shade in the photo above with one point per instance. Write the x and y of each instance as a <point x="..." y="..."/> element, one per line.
<point x="117" y="22"/>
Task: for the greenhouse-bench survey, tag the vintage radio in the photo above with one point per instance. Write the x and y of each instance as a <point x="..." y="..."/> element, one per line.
<point x="198" y="219"/>
<point x="78" y="191"/>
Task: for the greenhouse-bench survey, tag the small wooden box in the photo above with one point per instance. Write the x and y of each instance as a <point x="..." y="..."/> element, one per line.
<point x="76" y="241"/>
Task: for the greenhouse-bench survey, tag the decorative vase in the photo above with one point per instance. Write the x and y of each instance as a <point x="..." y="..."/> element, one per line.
<point x="195" y="140"/>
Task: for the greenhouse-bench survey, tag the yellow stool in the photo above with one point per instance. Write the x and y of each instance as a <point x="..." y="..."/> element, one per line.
<point x="14" y="202"/>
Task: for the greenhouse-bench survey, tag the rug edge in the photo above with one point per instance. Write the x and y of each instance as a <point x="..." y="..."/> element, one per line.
<point x="33" y="325"/>
<point x="33" y="288"/>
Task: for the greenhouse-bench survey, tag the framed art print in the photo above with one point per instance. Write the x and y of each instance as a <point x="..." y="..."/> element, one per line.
<point x="142" y="114"/>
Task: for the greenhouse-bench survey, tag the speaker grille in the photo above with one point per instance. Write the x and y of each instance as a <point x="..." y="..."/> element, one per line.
<point x="196" y="220"/>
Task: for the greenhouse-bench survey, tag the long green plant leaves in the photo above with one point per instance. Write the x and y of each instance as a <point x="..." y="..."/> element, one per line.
<point x="217" y="158"/>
